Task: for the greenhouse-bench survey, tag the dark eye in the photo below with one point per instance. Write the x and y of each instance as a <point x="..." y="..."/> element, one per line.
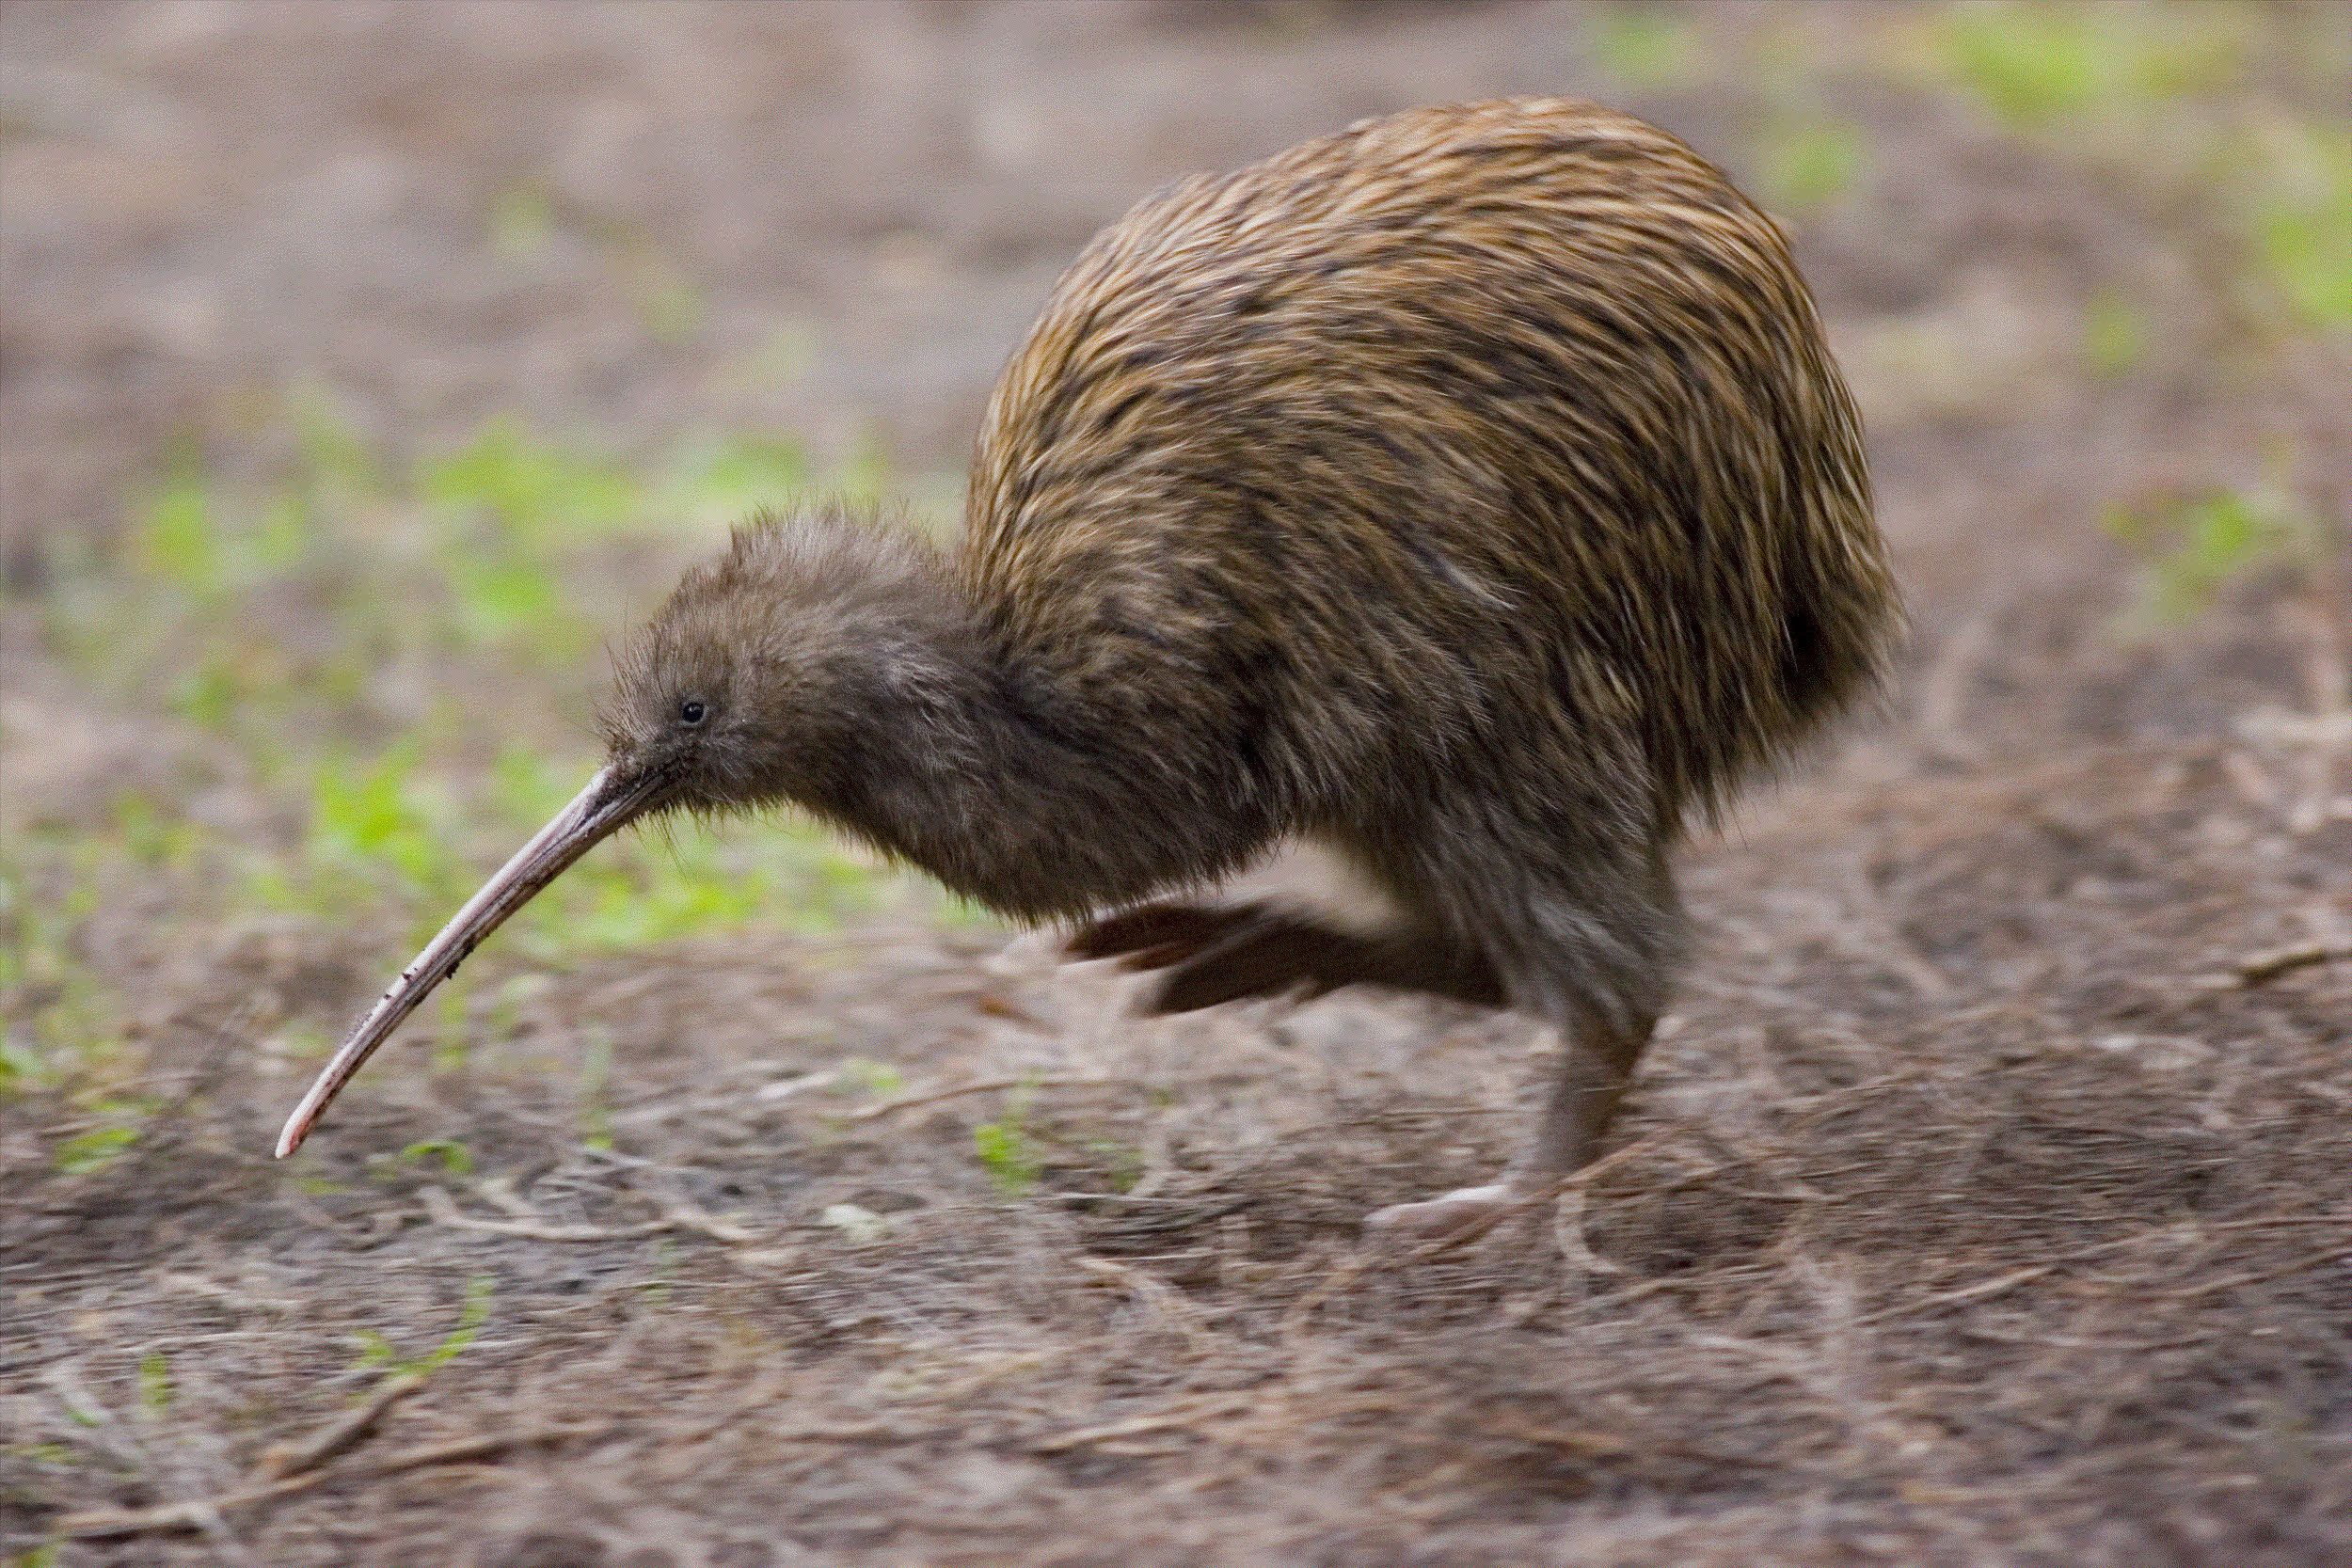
<point x="690" y="712"/>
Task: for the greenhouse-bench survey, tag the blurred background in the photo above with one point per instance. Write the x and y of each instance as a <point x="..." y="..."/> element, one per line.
<point x="365" y="367"/>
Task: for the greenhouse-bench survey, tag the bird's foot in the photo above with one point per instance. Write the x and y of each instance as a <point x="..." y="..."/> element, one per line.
<point x="1461" y="1215"/>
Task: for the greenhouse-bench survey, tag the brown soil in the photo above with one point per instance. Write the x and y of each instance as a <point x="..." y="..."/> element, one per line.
<point x="1987" y="1200"/>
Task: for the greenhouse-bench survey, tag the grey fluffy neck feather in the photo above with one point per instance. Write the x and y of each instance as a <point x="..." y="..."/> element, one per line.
<point x="969" y="766"/>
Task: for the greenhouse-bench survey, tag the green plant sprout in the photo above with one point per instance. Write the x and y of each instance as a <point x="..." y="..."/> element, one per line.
<point x="155" y="1384"/>
<point x="1644" y="46"/>
<point x="1007" y="1151"/>
<point x="2195" y="549"/>
<point x="1807" y="164"/>
<point x="454" y="1157"/>
<point x="376" y="1350"/>
<point x="93" y="1150"/>
<point x="2039" y="66"/>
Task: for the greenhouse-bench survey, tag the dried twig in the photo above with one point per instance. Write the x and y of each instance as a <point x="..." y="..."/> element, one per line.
<point x="1893" y="948"/>
<point x="2263" y="968"/>
<point x="683" y="1216"/>
<point x="444" y="1210"/>
<point x="679" y="1215"/>
<point x="1981" y="1290"/>
<point x="1186" y="1417"/>
<point x="339" y="1437"/>
<point x="992" y="1085"/>
<point x="199" y="1514"/>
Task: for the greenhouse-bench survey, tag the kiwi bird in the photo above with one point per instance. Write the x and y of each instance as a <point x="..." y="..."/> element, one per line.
<point x="1471" y="492"/>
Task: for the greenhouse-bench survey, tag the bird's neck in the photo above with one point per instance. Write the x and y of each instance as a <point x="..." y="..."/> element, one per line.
<point x="1004" y="785"/>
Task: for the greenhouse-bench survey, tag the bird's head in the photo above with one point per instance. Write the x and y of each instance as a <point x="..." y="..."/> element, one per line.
<point x="749" y="686"/>
<point x="752" y="684"/>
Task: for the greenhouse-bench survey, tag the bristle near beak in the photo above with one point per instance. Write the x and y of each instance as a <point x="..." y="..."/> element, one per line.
<point x="611" y="800"/>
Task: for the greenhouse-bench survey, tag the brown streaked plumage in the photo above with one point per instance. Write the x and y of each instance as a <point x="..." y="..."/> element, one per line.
<point x="1472" y="492"/>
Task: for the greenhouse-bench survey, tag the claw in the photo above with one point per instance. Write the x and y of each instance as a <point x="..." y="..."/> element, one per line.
<point x="1461" y="1215"/>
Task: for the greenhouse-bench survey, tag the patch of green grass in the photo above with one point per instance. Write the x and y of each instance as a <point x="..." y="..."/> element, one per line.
<point x="783" y="358"/>
<point x="1007" y="1152"/>
<point x="55" y="1013"/>
<point x="155" y="1384"/>
<point x="178" y="536"/>
<point x="1806" y="163"/>
<point x="373" y="826"/>
<point x="536" y="489"/>
<point x="35" y="933"/>
<point x="381" y="810"/>
<point x="149" y="836"/>
<point x="876" y="1079"/>
<point x="454" y="1157"/>
<point x="668" y="304"/>
<point x="2194" y="548"/>
<point x="187" y="537"/>
<point x="1123" y="1163"/>
<point x="338" y="461"/>
<point x="93" y="1150"/>
<point x="685" y="881"/>
<point x="728" y="479"/>
<point x="504" y="601"/>
<point x="119" y="1131"/>
<point x="864" y="477"/>
<point x="1644" y="46"/>
<point x="2297" y="214"/>
<point x="477" y="548"/>
<point x="376" y="1350"/>
<point x="2108" y="76"/>
<point x="21" y="1068"/>
<point x="208" y="693"/>
<point x="596" y="1084"/>
<point x="391" y="828"/>
<point x="2114" y="335"/>
<point x="521" y="221"/>
<point x="627" y="902"/>
<point x="2044" y="65"/>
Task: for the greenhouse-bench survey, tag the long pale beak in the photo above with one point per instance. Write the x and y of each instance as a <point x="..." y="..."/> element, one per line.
<point x="610" y="801"/>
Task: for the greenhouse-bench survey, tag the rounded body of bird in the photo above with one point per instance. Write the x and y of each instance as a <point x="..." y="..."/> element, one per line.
<point x="1484" y="451"/>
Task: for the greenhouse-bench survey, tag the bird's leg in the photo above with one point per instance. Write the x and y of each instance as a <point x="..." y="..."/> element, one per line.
<point x="1595" y="1068"/>
<point x="1601" y="980"/>
<point x="1597" y="1063"/>
<point x="1221" y="953"/>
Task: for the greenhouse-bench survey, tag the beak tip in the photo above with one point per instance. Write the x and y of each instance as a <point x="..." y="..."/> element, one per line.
<point x="600" y="807"/>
